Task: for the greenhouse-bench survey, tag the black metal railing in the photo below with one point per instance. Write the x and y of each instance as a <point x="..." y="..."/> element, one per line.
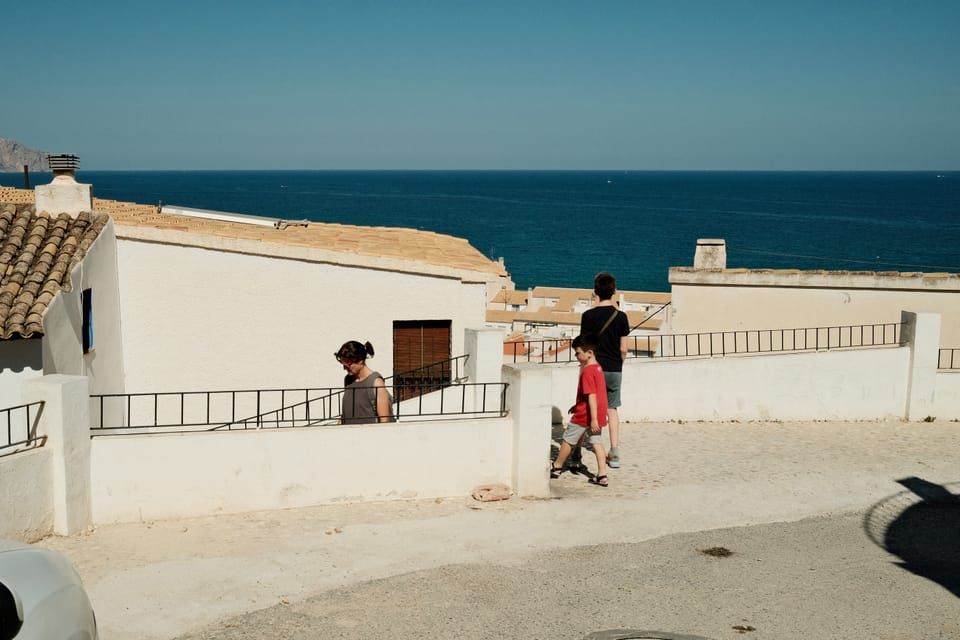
<point x="948" y="359"/>
<point x="722" y="343"/>
<point x="476" y="399"/>
<point x="185" y="411"/>
<point x="18" y="428"/>
<point x="428" y="378"/>
<point x="193" y="410"/>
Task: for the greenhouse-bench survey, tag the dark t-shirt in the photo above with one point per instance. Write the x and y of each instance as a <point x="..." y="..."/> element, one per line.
<point x="608" y="352"/>
<point x="359" y="404"/>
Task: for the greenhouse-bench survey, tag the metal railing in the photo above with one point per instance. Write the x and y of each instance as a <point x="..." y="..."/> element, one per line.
<point x="186" y="411"/>
<point x="18" y="428"/>
<point x="429" y="378"/>
<point x="722" y="343"/>
<point x="472" y="399"/>
<point x="948" y="359"/>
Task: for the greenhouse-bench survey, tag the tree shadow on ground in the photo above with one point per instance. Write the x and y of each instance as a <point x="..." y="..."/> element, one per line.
<point x="922" y="527"/>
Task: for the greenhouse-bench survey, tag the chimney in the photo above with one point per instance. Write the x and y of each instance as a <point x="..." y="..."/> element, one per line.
<point x="64" y="194"/>
<point x="711" y="254"/>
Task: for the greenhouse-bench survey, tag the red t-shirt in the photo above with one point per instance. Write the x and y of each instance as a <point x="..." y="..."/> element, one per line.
<point x="591" y="381"/>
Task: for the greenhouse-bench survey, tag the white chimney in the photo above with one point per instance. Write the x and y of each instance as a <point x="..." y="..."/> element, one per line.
<point x="64" y="194"/>
<point x="711" y="254"/>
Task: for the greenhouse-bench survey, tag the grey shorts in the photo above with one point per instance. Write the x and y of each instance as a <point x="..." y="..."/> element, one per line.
<point x="573" y="432"/>
<point x="612" y="378"/>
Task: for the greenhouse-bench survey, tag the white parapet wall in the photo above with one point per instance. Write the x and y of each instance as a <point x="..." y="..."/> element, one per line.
<point x="835" y="385"/>
<point x="173" y="475"/>
<point x="946" y="405"/>
<point x="895" y="382"/>
<point x="74" y="481"/>
<point x="26" y="494"/>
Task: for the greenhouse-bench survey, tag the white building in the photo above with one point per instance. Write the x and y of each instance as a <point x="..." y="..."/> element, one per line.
<point x="186" y="302"/>
<point x="711" y="297"/>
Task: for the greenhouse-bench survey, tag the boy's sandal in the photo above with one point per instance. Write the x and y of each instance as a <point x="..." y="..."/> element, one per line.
<point x="600" y="481"/>
<point x="555" y="471"/>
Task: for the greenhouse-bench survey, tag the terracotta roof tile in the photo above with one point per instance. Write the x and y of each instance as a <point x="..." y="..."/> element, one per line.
<point x="37" y="253"/>
<point x="399" y="243"/>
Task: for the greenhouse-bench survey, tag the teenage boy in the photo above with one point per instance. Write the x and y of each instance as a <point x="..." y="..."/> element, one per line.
<point x="611" y="327"/>
<point x="589" y="411"/>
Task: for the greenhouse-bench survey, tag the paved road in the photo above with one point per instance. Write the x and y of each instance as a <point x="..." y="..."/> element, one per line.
<point x="817" y="578"/>
<point x="809" y="511"/>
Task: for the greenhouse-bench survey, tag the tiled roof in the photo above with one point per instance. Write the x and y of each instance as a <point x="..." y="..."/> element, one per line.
<point x="397" y="243"/>
<point x="37" y="253"/>
<point x="510" y="296"/>
<point x="378" y="242"/>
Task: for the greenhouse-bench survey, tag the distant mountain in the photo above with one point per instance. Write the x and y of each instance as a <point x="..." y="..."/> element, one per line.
<point x="14" y="155"/>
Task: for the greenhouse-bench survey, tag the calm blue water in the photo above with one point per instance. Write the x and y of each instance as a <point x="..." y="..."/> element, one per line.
<point x="559" y="228"/>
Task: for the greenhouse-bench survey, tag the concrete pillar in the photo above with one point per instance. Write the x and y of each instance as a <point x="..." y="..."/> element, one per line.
<point x="66" y="423"/>
<point x="485" y="348"/>
<point x="529" y="399"/>
<point x="921" y="332"/>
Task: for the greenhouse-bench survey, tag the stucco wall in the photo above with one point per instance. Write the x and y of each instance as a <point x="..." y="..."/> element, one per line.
<point x="63" y="321"/>
<point x="835" y="385"/>
<point x="721" y="301"/>
<point x="26" y="495"/>
<point x="947" y="395"/>
<point x="98" y="271"/>
<point x="203" y="319"/>
<point x="160" y="476"/>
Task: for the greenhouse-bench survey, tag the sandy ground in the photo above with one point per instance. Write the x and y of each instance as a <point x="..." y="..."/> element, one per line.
<point x="801" y="505"/>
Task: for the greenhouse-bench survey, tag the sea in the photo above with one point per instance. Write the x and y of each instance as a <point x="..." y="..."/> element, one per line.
<point x="559" y="228"/>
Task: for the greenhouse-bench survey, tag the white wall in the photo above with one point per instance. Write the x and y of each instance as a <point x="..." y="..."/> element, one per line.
<point x="63" y="321"/>
<point x="74" y="480"/>
<point x="26" y="495"/>
<point x="98" y="271"/>
<point x="834" y="385"/>
<point x="947" y="395"/>
<point x="705" y="301"/>
<point x="204" y="319"/>
<point x="173" y="475"/>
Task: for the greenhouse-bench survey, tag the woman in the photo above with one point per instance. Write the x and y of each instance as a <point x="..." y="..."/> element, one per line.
<point x="365" y="398"/>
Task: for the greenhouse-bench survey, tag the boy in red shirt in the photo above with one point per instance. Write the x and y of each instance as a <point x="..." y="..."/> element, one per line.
<point x="589" y="412"/>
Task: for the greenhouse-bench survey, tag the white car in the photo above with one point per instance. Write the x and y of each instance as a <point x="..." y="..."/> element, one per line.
<point x="41" y="596"/>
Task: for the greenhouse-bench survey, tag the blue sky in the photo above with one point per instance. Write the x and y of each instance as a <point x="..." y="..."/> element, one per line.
<point x="486" y="85"/>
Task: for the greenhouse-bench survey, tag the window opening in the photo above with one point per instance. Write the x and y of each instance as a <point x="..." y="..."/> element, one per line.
<point x="87" y="328"/>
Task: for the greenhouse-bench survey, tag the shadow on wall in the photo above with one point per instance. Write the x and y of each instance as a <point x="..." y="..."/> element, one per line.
<point x="18" y="355"/>
<point x="922" y="527"/>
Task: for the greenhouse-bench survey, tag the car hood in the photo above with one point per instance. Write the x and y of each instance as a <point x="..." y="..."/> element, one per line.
<point x="12" y="545"/>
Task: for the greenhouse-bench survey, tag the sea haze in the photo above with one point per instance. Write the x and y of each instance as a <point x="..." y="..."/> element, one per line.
<point x="559" y="228"/>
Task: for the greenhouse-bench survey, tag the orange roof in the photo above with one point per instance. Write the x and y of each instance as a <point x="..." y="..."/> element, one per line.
<point x="37" y="253"/>
<point x="397" y="243"/>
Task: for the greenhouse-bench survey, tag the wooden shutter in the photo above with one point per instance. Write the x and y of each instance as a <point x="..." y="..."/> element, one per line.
<point x="416" y="344"/>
